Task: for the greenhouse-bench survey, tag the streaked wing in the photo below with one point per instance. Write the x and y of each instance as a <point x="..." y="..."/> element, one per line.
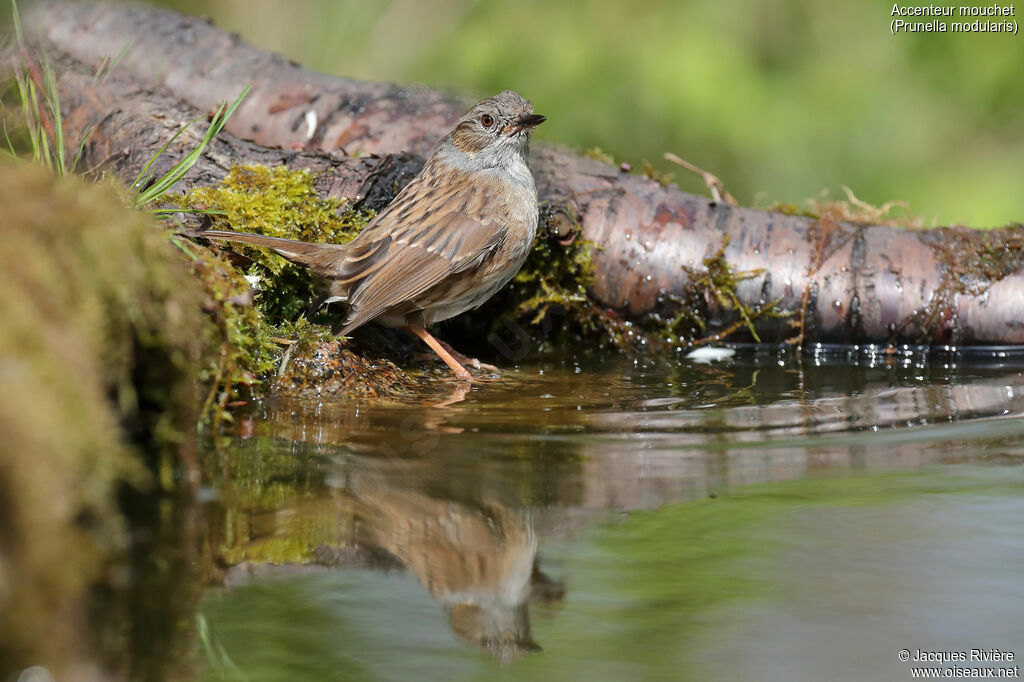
<point x="423" y="237"/>
<point x="406" y="272"/>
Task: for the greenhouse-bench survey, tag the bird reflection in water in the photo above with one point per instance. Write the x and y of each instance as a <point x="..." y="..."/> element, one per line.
<point x="394" y="504"/>
<point x="477" y="558"/>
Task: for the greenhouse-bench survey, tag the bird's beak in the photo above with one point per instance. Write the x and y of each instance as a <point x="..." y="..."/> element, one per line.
<point x="525" y="123"/>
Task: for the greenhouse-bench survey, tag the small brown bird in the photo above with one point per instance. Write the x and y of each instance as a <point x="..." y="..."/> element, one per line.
<point x="448" y="242"/>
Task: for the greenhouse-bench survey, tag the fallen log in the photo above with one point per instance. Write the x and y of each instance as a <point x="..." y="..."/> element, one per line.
<point x="668" y="261"/>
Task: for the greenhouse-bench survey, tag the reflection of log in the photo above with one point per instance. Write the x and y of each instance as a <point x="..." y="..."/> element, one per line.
<point x="844" y="282"/>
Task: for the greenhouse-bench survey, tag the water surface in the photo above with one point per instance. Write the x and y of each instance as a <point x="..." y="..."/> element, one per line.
<point x="767" y="517"/>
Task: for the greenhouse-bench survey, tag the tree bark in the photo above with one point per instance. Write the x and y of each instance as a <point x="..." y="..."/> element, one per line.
<point x="843" y="282"/>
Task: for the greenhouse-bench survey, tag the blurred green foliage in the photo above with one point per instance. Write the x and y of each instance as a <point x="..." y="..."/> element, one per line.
<point x="780" y="100"/>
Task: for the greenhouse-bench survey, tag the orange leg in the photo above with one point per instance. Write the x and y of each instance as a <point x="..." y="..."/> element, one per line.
<point x="466" y="360"/>
<point x="460" y="372"/>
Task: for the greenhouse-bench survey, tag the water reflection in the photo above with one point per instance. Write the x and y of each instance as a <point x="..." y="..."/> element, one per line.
<point x="464" y="497"/>
<point x="476" y="556"/>
<point x="474" y="551"/>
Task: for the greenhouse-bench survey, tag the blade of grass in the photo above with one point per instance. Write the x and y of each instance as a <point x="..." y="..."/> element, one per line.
<point x="99" y="69"/>
<point x="16" y="19"/>
<point x="216" y="655"/>
<point x="36" y="136"/>
<point x="10" y="152"/>
<point x="81" y="148"/>
<point x="23" y="100"/>
<point x="51" y="97"/>
<point x="143" y="175"/>
<point x="178" y="170"/>
<point x="40" y="103"/>
<point x="178" y="209"/>
<point x="108" y="65"/>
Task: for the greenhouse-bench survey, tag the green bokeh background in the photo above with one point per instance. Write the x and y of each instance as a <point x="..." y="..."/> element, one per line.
<point x="783" y="100"/>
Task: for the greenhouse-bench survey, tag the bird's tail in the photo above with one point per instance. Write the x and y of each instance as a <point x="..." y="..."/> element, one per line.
<point x="320" y="258"/>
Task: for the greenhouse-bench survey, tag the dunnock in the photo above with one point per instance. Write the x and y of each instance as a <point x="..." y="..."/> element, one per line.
<point x="448" y="242"/>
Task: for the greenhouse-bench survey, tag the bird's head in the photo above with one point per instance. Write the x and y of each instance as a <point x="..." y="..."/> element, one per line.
<point x="496" y="129"/>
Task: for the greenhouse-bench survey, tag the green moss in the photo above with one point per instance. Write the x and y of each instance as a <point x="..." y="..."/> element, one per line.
<point x="790" y="210"/>
<point x="550" y="294"/>
<point x="251" y="348"/>
<point x="257" y="334"/>
<point x="277" y="202"/>
<point x="598" y="154"/>
<point x="257" y="479"/>
<point x="555" y="274"/>
<point x="238" y="331"/>
<point x="851" y="210"/>
<point x="720" y="280"/>
<point x="654" y="174"/>
<point x="970" y="263"/>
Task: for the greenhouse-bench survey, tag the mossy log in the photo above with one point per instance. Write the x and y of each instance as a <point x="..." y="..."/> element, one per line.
<point x="98" y="349"/>
<point x="672" y="263"/>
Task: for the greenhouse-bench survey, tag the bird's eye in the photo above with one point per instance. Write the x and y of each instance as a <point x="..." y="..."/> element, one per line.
<point x="487" y="120"/>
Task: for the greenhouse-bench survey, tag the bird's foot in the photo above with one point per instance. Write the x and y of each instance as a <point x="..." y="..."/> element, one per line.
<point x="460" y="372"/>
<point x="466" y="360"/>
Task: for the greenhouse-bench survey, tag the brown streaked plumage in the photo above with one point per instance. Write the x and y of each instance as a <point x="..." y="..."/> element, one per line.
<point x="449" y="241"/>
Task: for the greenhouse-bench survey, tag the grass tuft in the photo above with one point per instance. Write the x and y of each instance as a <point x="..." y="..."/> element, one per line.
<point x="39" y="124"/>
<point x="148" y="189"/>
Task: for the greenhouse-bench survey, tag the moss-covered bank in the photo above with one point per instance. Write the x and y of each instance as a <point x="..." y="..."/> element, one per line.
<point x="98" y="347"/>
<point x="267" y="341"/>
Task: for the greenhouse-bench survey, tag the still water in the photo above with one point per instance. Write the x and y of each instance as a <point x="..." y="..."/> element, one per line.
<point x="764" y="517"/>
